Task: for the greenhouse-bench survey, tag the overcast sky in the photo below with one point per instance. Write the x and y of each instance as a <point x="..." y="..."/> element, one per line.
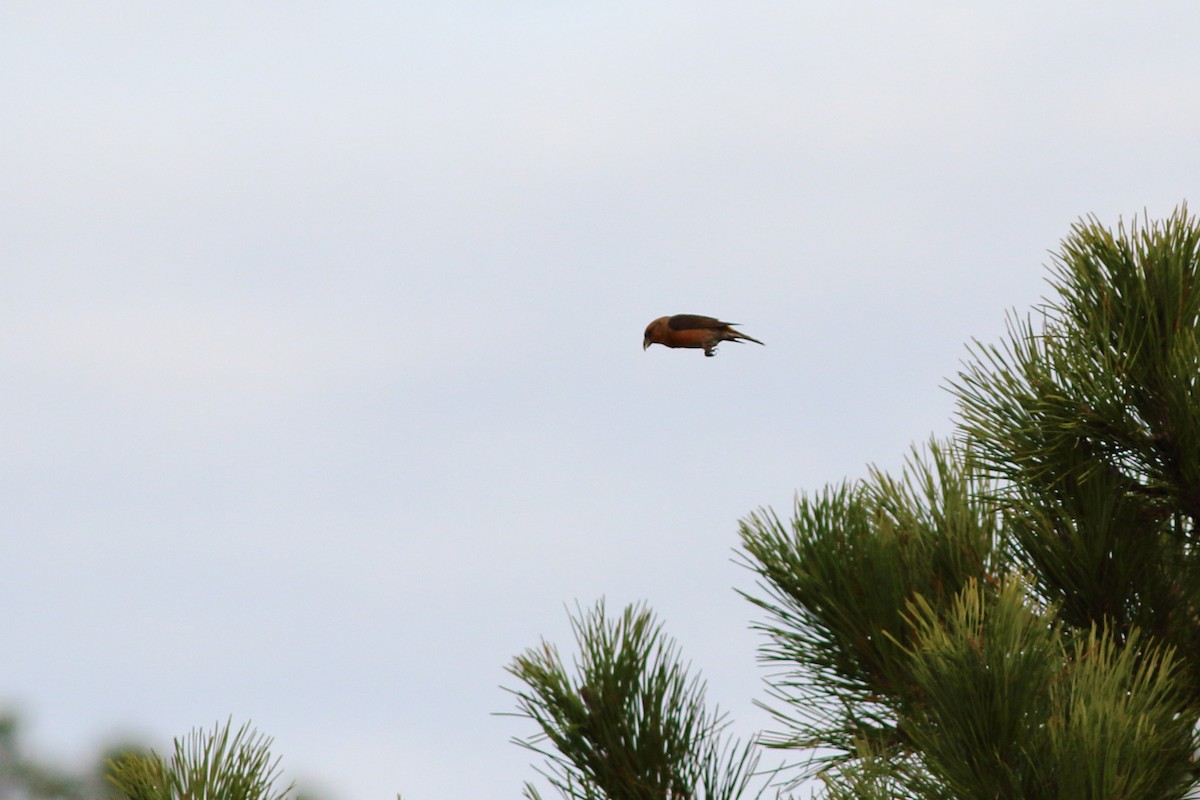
<point x="323" y="392"/>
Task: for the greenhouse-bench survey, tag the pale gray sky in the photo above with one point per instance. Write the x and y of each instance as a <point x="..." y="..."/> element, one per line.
<point x="323" y="389"/>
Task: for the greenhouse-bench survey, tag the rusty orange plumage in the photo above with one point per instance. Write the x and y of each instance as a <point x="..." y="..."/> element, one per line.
<point x="693" y="330"/>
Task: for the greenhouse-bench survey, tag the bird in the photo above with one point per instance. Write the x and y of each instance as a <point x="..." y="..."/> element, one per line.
<point x="693" y="330"/>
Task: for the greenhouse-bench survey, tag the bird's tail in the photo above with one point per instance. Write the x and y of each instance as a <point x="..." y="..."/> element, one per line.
<point x="739" y="335"/>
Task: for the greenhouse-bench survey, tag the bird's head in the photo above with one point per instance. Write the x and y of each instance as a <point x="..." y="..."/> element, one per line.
<point x="650" y="336"/>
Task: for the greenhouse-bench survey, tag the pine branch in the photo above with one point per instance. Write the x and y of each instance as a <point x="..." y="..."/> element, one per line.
<point x="631" y="723"/>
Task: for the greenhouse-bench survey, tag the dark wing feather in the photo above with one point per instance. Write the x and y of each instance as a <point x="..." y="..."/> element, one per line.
<point x="691" y="322"/>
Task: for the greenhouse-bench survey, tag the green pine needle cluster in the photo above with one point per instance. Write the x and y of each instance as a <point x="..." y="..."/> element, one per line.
<point x="627" y="721"/>
<point x="219" y="765"/>
<point x="1018" y="614"/>
<point x="837" y="582"/>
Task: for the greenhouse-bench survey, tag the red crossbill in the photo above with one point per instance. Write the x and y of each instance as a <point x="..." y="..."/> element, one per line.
<point x="692" y="330"/>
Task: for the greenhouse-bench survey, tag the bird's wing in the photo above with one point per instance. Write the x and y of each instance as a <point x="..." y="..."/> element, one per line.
<point x="691" y="322"/>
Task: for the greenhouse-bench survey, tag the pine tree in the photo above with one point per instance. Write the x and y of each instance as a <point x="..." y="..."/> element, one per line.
<point x="1016" y="615"/>
<point x="629" y="722"/>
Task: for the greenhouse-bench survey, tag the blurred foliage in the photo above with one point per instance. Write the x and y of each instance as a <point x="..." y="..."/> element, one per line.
<point x="24" y="777"/>
<point x="221" y="764"/>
